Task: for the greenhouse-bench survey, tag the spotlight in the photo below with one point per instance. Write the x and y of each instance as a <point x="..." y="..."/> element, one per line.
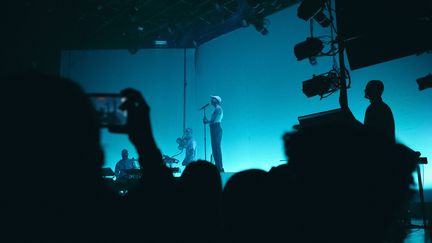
<point x="318" y="85"/>
<point x="425" y="82"/>
<point x="313" y="9"/>
<point x="321" y="84"/>
<point x="309" y="48"/>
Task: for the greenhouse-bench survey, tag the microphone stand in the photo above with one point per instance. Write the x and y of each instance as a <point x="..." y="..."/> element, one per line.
<point x="205" y="133"/>
<point x="205" y="136"/>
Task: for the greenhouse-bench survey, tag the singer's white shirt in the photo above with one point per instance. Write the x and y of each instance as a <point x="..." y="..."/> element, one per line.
<point x="217" y="114"/>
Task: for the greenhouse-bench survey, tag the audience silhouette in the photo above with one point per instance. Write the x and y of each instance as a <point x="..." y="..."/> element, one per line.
<point x="201" y="189"/>
<point x="345" y="184"/>
<point x="53" y="191"/>
<point x="342" y="183"/>
<point x="245" y="204"/>
<point x="378" y="116"/>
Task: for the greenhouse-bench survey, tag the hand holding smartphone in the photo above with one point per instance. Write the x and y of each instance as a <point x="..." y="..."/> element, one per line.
<point x="129" y="113"/>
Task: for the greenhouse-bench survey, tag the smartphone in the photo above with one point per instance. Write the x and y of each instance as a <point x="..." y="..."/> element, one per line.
<point x="108" y="110"/>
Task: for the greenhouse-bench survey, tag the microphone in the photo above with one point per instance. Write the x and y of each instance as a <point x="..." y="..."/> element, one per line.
<point x="204" y="106"/>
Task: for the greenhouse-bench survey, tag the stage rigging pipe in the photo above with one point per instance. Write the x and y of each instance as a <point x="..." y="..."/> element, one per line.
<point x="343" y="98"/>
<point x="184" y="89"/>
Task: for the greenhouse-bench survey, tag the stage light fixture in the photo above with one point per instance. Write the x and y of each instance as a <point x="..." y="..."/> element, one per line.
<point x="321" y="84"/>
<point x="313" y="9"/>
<point x="318" y="85"/>
<point x="425" y="82"/>
<point x="308" y="49"/>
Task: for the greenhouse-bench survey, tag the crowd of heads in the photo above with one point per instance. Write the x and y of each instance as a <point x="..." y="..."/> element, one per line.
<point x="341" y="183"/>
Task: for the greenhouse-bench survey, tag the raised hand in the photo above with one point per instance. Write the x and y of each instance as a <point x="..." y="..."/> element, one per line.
<point x="139" y="125"/>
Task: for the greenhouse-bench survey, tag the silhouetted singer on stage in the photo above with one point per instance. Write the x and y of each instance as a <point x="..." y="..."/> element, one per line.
<point x="216" y="131"/>
<point x="379" y="116"/>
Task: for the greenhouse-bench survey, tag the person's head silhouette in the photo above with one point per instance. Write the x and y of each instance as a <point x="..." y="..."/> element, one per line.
<point x="125" y="154"/>
<point x="63" y="188"/>
<point x="188" y="133"/>
<point x="374" y="89"/>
